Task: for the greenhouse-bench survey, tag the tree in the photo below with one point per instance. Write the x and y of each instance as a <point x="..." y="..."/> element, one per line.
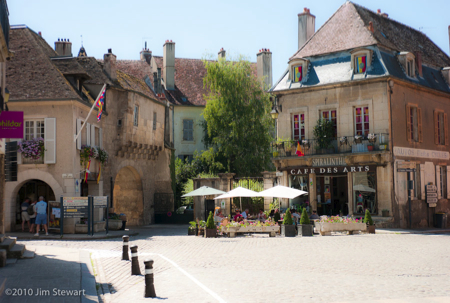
<point x="237" y="116"/>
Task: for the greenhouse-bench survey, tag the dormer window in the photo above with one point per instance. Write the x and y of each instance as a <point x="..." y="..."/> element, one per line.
<point x="361" y="60"/>
<point x="410" y="68"/>
<point x="407" y="60"/>
<point x="298" y="69"/>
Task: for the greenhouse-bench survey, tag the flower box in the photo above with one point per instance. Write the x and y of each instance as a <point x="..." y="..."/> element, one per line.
<point x="325" y="228"/>
<point x="288" y="230"/>
<point x="114" y="224"/>
<point x="305" y="230"/>
<point x="233" y="230"/>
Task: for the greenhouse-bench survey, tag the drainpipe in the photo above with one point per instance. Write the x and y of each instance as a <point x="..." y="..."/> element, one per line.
<point x="390" y="86"/>
<point x="173" y="126"/>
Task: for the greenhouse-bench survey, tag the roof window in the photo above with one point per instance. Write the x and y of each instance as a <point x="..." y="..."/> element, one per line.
<point x="361" y="60"/>
<point x="298" y="69"/>
<point x="407" y="61"/>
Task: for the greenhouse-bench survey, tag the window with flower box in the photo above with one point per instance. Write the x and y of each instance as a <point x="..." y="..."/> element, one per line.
<point x="330" y="115"/>
<point x="298" y="127"/>
<point x="361" y="121"/>
<point x="34" y="129"/>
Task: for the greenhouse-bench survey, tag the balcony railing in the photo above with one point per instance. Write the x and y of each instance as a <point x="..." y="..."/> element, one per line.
<point x="339" y="145"/>
<point x="4" y="20"/>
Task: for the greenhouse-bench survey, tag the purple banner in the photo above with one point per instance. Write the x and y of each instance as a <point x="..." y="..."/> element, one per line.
<point x="11" y="125"/>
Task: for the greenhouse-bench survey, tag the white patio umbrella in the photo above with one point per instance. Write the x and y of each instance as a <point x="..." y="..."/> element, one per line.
<point x="281" y="191"/>
<point x="238" y="192"/>
<point x="203" y="191"/>
<point x="361" y="187"/>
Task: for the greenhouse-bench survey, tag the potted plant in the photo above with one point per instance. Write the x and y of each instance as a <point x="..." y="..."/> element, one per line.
<point x="385" y="212"/>
<point x="305" y="144"/>
<point x="114" y="221"/>
<point x="201" y="227"/>
<point x="372" y="138"/>
<point x="358" y="139"/>
<point x="323" y="136"/>
<point x="305" y="229"/>
<point x="343" y="141"/>
<point x="370" y="147"/>
<point x="288" y="227"/>
<point x="382" y="146"/>
<point x="210" y="231"/>
<point x="192" y="227"/>
<point x="33" y="149"/>
<point x="368" y="220"/>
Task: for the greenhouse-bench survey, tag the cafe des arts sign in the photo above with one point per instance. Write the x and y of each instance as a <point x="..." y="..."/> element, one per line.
<point x="420" y="153"/>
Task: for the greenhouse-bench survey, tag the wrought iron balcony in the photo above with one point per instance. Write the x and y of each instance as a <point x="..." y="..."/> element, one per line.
<point x="339" y="145"/>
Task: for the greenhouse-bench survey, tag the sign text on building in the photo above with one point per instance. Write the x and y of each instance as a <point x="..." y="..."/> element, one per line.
<point x="329" y="161"/>
<point x="11" y="125"/>
<point x="420" y="153"/>
<point x="332" y="170"/>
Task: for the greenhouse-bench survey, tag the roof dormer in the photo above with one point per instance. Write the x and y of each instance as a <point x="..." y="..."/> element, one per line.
<point x="298" y="70"/>
<point x="361" y="60"/>
<point x="407" y="61"/>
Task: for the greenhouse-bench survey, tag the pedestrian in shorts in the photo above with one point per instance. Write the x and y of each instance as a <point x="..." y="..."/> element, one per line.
<point x="41" y="217"/>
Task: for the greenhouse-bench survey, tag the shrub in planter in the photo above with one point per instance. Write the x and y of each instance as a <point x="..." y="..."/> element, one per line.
<point x="368" y="220"/>
<point x="210" y="231"/>
<point x="288" y="227"/>
<point x="305" y="229"/>
<point x="192" y="227"/>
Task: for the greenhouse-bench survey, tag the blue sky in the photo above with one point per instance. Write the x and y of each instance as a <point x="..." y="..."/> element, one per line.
<point x="201" y="28"/>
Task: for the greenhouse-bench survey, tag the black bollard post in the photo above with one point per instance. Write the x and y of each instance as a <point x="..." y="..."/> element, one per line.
<point x="149" y="286"/>
<point x="125" y="248"/>
<point x="135" y="270"/>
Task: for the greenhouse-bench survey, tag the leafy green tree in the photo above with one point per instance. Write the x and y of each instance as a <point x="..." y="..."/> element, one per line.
<point x="237" y="116"/>
<point x="323" y="133"/>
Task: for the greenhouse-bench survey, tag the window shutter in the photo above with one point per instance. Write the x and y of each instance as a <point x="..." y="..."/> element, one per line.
<point x="19" y="155"/>
<point x="93" y="135"/>
<point x="408" y="123"/>
<point x="79" y="137"/>
<point x="438" y="180"/>
<point x="50" y="141"/>
<point x="88" y="134"/>
<point x="446" y="129"/>
<point x="419" y="122"/>
<point x="191" y="132"/>
<point x="100" y="138"/>
<point x="436" y="129"/>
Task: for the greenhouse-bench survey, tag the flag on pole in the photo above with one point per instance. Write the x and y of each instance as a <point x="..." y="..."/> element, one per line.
<point x="87" y="171"/>
<point x="299" y="151"/>
<point x="100" y="103"/>
<point x="99" y="174"/>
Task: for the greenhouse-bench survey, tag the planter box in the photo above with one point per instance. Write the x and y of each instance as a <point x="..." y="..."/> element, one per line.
<point x="210" y="233"/>
<point x="288" y="230"/>
<point x="305" y="230"/>
<point x="114" y="224"/>
<point x="83" y="228"/>
<point x="232" y="231"/>
<point x="326" y="228"/>
<point x="191" y="231"/>
<point x="371" y="229"/>
<point x="385" y="213"/>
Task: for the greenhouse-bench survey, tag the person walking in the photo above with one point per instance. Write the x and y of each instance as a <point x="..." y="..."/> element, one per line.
<point x="41" y="217"/>
<point x="32" y="216"/>
<point x="25" y="216"/>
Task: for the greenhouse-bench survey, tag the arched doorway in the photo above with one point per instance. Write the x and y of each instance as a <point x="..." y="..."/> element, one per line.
<point x="128" y="196"/>
<point x="32" y="189"/>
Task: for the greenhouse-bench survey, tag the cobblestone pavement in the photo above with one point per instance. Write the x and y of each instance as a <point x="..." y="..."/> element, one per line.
<point x="339" y="268"/>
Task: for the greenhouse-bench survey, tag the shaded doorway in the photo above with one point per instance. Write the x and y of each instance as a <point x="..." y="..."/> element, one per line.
<point x="32" y="190"/>
<point x="128" y="196"/>
<point x="332" y="195"/>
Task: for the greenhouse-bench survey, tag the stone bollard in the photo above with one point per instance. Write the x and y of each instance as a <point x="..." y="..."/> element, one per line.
<point x="135" y="270"/>
<point x="125" y="248"/>
<point x="149" y="286"/>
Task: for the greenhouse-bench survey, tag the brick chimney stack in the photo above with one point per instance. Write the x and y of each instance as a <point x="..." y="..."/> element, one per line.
<point x="109" y="64"/>
<point x="146" y="54"/>
<point x="169" y="64"/>
<point x="306" y="26"/>
<point x="264" y="67"/>
<point x="63" y="48"/>
<point x="221" y="53"/>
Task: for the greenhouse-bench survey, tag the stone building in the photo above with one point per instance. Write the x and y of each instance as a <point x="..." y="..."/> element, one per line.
<point x="56" y="91"/>
<point x="384" y="87"/>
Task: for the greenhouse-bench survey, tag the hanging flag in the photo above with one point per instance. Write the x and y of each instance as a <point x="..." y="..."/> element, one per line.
<point x="87" y="171"/>
<point x="99" y="174"/>
<point x="361" y="62"/>
<point x="100" y="103"/>
<point x="298" y="73"/>
<point x="299" y="151"/>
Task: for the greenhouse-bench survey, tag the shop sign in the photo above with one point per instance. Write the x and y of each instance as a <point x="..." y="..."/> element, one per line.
<point x="11" y="125"/>
<point x="332" y="170"/>
<point x="329" y="161"/>
<point x="431" y="194"/>
<point x="100" y="202"/>
<point x="75" y="207"/>
<point x="420" y="153"/>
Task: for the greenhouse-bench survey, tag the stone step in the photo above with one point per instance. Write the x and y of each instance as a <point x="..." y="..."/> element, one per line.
<point x="16" y="251"/>
<point x="28" y="254"/>
<point x="2" y="238"/>
<point x="8" y="243"/>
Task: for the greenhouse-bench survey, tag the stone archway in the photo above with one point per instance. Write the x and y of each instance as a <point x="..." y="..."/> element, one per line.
<point x="128" y="195"/>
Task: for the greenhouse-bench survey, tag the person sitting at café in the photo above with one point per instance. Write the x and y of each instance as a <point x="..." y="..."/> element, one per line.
<point x="237" y="217"/>
<point x="261" y="215"/>
<point x="245" y="214"/>
<point x="218" y="216"/>
<point x="295" y="216"/>
<point x="314" y="215"/>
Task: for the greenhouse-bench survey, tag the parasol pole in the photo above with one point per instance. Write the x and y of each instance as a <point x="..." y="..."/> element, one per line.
<point x="240" y="202"/>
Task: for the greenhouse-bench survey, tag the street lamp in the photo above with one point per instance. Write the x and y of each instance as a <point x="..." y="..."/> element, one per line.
<point x="274" y="113"/>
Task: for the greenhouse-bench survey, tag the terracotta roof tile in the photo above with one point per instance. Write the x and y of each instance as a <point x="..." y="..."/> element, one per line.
<point x="30" y="72"/>
<point x="70" y="66"/>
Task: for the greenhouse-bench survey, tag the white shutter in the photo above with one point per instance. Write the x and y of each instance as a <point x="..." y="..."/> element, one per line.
<point x="88" y="134"/>
<point x="100" y="138"/>
<point x="438" y="180"/>
<point x="50" y="140"/>
<point x="93" y="135"/>
<point x="79" y="137"/>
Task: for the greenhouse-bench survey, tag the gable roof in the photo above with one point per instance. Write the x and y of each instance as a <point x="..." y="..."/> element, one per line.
<point x="31" y="73"/>
<point x="347" y="28"/>
<point x="95" y="70"/>
<point x="130" y="82"/>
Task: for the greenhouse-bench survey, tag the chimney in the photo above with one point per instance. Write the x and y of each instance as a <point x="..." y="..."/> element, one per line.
<point x="419" y="63"/>
<point x="264" y="67"/>
<point x="221" y="53"/>
<point x="384" y="15"/>
<point x="146" y="54"/>
<point x="109" y="64"/>
<point x="155" y="82"/>
<point x="63" y="48"/>
<point x="159" y="80"/>
<point x="371" y="27"/>
<point x="169" y="64"/>
<point x="306" y="26"/>
<point x="446" y="74"/>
